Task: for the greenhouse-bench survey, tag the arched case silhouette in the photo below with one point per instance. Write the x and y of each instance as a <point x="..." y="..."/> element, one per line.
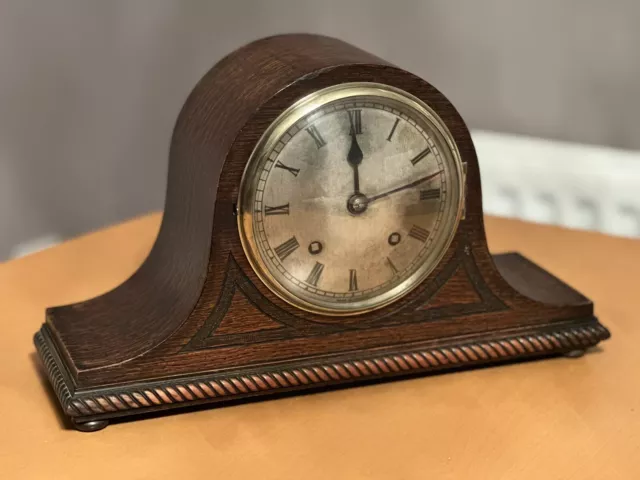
<point x="195" y="325"/>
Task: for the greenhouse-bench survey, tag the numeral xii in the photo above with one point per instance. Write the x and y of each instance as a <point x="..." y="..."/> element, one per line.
<point x="355" y="119"/>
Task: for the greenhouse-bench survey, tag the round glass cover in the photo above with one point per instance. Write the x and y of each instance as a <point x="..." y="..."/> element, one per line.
<point x="350" y="199"/>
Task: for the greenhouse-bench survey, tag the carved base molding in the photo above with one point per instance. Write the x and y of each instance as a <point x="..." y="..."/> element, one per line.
<point x="316" y="373"/>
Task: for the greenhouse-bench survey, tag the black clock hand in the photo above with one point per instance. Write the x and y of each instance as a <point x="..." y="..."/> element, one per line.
<point x="355" y="159"/>
<point x="404" y="187"/>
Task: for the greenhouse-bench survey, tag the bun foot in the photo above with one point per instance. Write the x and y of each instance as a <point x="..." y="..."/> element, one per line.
<point x="90" y="426"/>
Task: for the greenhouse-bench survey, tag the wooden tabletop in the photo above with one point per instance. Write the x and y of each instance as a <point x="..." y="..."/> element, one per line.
<point x="554" y="419"/>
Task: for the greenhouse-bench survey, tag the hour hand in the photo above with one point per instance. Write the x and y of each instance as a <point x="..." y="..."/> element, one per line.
<point x="354" y="158"/>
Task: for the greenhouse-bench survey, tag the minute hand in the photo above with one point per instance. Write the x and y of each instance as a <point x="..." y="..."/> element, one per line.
<point x="405" y="187"/>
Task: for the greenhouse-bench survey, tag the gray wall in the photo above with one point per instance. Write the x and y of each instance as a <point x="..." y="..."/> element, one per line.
<point x="89" y="90"/>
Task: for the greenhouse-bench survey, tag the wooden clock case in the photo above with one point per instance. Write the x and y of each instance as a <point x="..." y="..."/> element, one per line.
<point x="195" y="325"/>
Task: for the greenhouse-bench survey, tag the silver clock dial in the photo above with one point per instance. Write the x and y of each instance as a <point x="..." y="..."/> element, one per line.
<point x="350" y="199"/>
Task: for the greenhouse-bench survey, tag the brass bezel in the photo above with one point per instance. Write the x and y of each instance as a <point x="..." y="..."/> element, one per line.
<point x="286" y="120"/>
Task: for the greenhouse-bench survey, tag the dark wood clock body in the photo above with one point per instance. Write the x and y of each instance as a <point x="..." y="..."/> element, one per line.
<point x="195" y="325"/>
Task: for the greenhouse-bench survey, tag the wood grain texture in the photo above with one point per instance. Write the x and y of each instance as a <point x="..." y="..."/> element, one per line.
<point x="196" y="309"/>
<point x="162" y="293"/>
<point x="300" y="375"/>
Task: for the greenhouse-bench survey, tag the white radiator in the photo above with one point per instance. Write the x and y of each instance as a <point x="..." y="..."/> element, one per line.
<point x="578" y="186"/>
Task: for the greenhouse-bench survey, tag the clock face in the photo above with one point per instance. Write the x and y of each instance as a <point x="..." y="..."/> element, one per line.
<point x="350" y="199"/>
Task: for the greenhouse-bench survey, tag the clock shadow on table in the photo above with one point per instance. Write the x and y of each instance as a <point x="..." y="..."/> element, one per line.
<point x="66" y="424"/>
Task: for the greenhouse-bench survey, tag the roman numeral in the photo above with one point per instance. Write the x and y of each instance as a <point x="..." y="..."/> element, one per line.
<point x="393" y="268"/>
<point x="355" y="119"/>
<point x="287" y="248"/>
<point x="393" y="129"/>
<point x="279" y="210"/>
<point x="315" y="134"/>
<point x="353" y="281"/>
<point x="430" y="194"/>
<point x="294" y="171"/>
<point x="314" y="276"/>
<point x="421" y="155"/>
<point x="419" y="233"/>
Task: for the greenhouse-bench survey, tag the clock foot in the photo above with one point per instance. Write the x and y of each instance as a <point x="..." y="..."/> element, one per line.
<point x="574" y="354"/>
<point x="90" y="426"/>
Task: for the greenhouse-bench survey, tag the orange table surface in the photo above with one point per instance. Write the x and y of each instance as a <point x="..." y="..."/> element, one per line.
<point x="555" y="419"/>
